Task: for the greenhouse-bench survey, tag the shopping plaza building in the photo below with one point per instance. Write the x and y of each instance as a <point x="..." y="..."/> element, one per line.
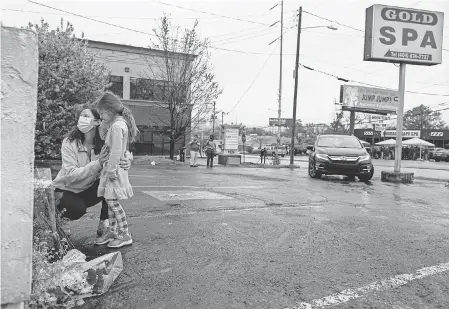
<point x="440" y="138"/>
<point x="137" y="80"/>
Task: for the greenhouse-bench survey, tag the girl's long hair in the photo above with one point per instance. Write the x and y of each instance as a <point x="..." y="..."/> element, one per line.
<point x="76" y="134"/>
<point x="111" y="102"/>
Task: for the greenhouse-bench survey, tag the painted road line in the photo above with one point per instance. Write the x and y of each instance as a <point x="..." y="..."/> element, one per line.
<point x="201" y="187"/>
<point x="391" y="283"/>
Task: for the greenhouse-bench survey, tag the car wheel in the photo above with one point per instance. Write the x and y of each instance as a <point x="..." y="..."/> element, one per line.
<point x="365" y="178"/>
<point x="312" y="171"/>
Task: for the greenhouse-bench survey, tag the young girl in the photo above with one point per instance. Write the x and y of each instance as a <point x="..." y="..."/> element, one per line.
<point x="114" y="183"/>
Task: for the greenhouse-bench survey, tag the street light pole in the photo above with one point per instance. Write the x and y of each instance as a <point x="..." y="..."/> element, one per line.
<point x="295" y="97"/>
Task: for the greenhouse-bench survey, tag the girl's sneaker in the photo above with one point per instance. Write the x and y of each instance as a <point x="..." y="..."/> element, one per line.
<point x="106" y="238"/>
<point x="121" y="240"/>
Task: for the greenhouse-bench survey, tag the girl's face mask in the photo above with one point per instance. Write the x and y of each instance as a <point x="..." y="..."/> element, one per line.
<point x="85" y="124"/>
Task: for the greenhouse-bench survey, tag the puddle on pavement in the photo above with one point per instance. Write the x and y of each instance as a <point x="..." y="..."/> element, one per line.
<point x="173" y="205"/>
<point x="273" y="204"/>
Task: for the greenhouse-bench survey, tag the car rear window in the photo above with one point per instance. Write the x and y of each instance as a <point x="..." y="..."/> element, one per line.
<point x="339" y="142"/>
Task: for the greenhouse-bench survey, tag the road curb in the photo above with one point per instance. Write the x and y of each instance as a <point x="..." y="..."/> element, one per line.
<point x="431" y="179"/>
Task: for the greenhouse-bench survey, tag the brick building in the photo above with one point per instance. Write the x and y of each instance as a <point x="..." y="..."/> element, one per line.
<point x="136" y="78"/>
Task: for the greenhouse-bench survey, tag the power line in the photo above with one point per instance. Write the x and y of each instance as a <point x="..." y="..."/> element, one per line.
<point x="212" y="47"/>
<point x="89" y="18"/>
<point x="333" y="21"/>
<point x="122" y="17"/>
<point x="252" y="83"/>
<point x="213" y="14"/>
<point x="234" y="32"/>
<point x="368" y="84"/>
<point x="247" y="36"/>
<point x="99" y="16"/>
<point x="138" y="31"/>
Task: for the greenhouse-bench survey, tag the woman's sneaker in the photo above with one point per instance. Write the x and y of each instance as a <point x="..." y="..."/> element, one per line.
<point x="121" y="240"/>
<point x="102" y="227"/>
<point x="106" y="238"/>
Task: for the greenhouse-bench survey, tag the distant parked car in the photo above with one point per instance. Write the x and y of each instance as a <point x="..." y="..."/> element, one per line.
<point x="441" y="155"/>
<point x="256" y="151"/>
<point x="300" y="150"/>
<point x="433" y="151"/>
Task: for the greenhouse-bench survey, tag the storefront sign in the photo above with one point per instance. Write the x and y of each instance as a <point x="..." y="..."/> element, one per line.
<point x="231" y="139"/>
<point x="436" y="134"/>
<point x="376" y="118"/>
<point x="395" y="34"/>
<point x="405" y="133"/>
<point x="284" y="122"/>
<point x="365" y="99"/>
<point x="380" y="126"/>
<point x="368" y="133"/>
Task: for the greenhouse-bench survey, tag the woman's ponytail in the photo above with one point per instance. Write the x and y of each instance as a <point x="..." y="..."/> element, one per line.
<point x="132" y="127"/>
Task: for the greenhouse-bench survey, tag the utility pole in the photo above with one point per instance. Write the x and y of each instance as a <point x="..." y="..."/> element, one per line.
<point x="295" y="97"/>
<point x="280" y="66"/>
<point x="351" y="121"/>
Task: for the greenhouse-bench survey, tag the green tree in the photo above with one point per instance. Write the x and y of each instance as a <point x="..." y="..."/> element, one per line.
<point x="69" y="78"/>
<point x="422" y="118"/>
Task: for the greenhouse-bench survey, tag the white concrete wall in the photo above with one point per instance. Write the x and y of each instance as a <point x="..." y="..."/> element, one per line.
<point x="19" y="71"/>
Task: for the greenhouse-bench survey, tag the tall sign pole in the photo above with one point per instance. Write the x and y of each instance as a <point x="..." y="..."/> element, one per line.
<point x="280" y="71"/>
<point x="400" y="119"/>
<point x="404" y="36"/>
<point x="295" y="96"/>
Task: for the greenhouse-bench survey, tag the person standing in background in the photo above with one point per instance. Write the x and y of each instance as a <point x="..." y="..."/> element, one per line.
<point x="194" y="148"/>
<point x="211" y="149"/>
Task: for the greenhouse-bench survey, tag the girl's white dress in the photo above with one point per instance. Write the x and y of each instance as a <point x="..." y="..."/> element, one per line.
<point x="118" y="188"/>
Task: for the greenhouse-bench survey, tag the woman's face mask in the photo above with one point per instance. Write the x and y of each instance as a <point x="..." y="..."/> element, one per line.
<point x="85" y="124"/>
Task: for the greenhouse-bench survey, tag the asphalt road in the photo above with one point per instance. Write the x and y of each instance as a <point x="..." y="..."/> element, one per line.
<point x="274" y="238"/>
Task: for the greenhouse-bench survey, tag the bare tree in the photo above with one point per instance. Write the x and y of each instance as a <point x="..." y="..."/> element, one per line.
<point x="260" y="140"/>
<point x="182" y="80"/>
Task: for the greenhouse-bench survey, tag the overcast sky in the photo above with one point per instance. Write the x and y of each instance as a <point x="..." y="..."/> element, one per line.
<point x="249" y="73"/>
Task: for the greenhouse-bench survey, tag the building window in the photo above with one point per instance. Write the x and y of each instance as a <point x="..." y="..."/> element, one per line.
<point x="141" y="89"/>
<point x="116" y="85"/>
<point x="154" y="90"/>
